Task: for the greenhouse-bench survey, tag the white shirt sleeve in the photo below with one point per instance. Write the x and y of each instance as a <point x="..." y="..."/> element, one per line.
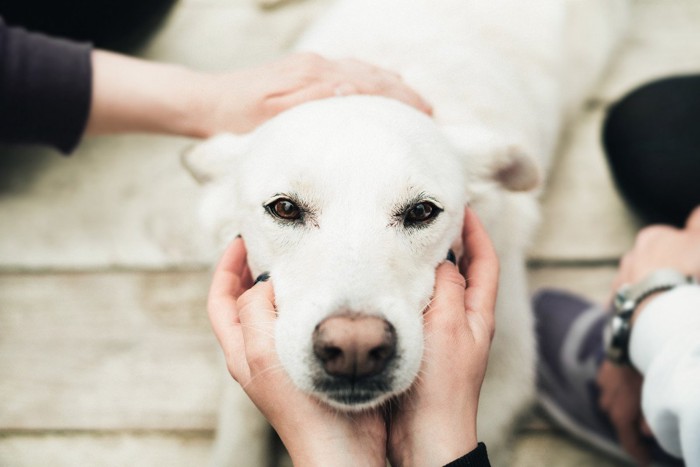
<point x="665" y="348"/>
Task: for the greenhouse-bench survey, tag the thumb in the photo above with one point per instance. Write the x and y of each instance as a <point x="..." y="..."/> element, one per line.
<point x="228" y="281"/>
<point x="448" y="295"/>
<point x="257" y="314"/>
<point x="481" y="269"/>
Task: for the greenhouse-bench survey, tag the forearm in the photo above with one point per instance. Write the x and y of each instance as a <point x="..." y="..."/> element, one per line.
<point x="665" y="347"/>
<point x="134" y="95"/>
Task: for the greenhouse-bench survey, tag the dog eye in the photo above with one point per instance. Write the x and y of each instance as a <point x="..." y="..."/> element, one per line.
<point x="284" y="209"/>
<point x="420" y="213"/>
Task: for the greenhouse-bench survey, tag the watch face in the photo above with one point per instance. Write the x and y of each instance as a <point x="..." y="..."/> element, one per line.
<point x="616" y="334"/>
<point x="621" y="296"/>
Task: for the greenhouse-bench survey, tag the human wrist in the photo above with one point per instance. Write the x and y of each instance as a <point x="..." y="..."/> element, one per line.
<point x="434" y="453"/>
<point x="195" y="97"/>
<point x="320" y="451"/>
<point x="203" y="94"/>
<point x="434" y="444"/>
<point x="345" y="442"/>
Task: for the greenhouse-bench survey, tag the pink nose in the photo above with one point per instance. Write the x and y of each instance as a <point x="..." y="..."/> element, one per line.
<point x="354" y="345"/>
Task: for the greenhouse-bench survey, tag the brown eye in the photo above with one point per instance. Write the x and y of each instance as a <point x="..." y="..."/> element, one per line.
<point x="284" y="209"/>
<point x="420" y="213"/>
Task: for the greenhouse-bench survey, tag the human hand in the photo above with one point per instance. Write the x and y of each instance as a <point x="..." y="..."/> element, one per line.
<point x="239" y="101"/>
<point x="663" y="246"/>
<point x="435" y="422"/>
<point x="244" y="322"/>
<point x="132" y="95"/>
<point x="656" y="247"/>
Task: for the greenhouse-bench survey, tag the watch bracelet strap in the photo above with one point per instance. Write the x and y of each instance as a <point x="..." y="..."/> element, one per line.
<point x="625" y="315"/>
<point x="648" y="293"/>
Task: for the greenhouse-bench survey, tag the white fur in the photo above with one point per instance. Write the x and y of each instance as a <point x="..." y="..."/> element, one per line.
<point x="503" y="76"/>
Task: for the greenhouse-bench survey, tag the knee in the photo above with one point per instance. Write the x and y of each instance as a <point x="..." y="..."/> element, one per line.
<point x="651" y="143"/>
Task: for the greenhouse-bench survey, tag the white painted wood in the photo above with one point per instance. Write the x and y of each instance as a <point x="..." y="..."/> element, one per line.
<point x="182" y="449"/>
<point x="663" y="40"/>
<point x="117" y="201"/>
<point x="104" y="450"/>
<point x="583" y="217"/>
<point x="537" y="449"/>
<point x="594" y="283"/>
<point x="107" y="351"/>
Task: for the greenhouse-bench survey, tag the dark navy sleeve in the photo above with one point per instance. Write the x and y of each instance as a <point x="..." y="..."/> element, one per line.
<point x="476" y="458"/>
<point x="45" y="89"/>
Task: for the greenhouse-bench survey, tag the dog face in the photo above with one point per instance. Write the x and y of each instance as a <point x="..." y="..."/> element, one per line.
<point x="350" y="204"/>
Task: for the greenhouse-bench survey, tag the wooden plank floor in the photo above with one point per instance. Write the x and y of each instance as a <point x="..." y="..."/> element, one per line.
<point x="106" y="357"/>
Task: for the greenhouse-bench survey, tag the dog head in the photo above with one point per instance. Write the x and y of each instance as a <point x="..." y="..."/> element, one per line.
<point x="350" y="203"/>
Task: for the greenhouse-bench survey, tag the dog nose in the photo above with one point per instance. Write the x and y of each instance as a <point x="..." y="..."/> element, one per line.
<point x="354" y="345"/>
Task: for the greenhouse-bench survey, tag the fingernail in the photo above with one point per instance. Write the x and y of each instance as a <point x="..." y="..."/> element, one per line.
<point x="262" y="277"/>
<point x="451" y="256"/>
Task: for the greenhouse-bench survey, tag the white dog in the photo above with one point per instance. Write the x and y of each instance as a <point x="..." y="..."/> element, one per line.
<point x="351" y="202"/>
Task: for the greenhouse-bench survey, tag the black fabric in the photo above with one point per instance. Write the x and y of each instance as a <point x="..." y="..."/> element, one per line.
<point x="45" y="89"/>
<point x="652" y="141"/>
<point x="112" y="24"/>
<point x="476" y="458"/>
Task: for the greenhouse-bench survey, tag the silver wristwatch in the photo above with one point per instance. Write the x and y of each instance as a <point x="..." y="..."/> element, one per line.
<point x="627" y="299"/>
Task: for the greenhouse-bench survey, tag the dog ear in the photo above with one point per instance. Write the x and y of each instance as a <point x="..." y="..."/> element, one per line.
<point x="212" y="158"/>
<point x="515" y="170"/>
<point x="487" y="158"/>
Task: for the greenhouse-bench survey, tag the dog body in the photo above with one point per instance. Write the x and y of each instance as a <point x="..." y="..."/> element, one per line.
<point x="331" y="197"/>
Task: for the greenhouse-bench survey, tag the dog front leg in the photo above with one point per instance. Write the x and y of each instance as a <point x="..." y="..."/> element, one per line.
<point x="243" y="434"/>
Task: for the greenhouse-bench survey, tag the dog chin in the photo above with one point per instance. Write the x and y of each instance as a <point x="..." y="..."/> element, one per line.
<point x="354" y="402"/>
<point x="356" y="396"/>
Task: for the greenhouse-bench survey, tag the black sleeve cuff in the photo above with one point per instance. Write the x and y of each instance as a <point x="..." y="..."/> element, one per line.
<point x="45" y="89"/>
<point x="477" y="458"/>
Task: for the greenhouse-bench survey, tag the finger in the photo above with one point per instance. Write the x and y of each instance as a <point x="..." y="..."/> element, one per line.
<point x="602" y="378"/>
<point x="308" y="92"/>
<point x="344" y="86"/>
<point x="645" y="428"/>
<point x="447" y="296"/>
<point x="257" y="314"/>
<point x="480" y="265"/>
<point x="388" y="83"/>
<point x="407" y="95"/>
<point x="693" y="222"/>
<point x="607" y="398"/>
<point x="631" y="440"/>
<point x="229" y="275"/>
<point x="394" y="87"/>
<point x="229" y="280"/>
